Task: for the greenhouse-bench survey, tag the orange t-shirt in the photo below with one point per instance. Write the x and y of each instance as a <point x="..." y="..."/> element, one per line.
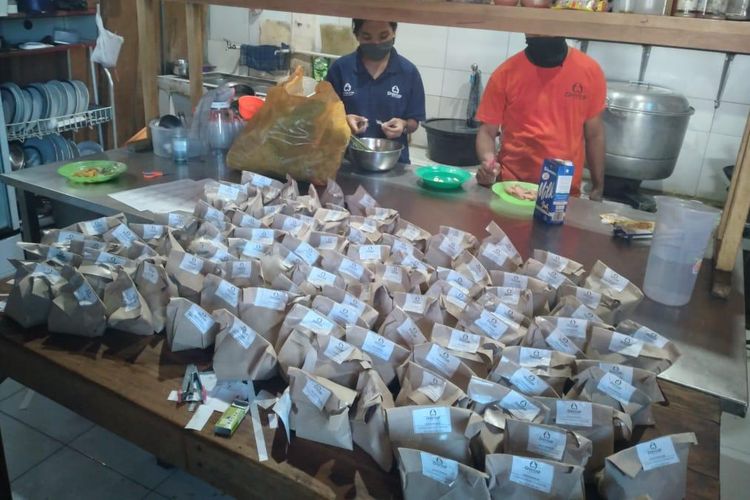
<point x="541" y="112"/>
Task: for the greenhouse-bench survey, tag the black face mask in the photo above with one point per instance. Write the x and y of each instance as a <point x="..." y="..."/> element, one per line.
<point x="546" y="52"/>
<point x="377" y="51"/>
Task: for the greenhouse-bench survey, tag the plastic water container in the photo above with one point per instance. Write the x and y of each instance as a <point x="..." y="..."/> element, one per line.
<point x="683" y="229"/>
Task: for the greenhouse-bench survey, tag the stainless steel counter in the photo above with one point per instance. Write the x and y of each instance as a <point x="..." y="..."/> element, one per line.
<point x="710" y="332"/>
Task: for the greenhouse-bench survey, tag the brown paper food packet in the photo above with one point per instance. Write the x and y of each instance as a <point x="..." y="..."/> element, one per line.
<point x="571" y="269"/>
<point x="242" y="273"/>
<point x="546" y="441"/>
<point x="603" y="279"/>
<point x="302" y="249"/>
<point x="400" y="328"/>
<point x="242" y="219"/>
<point x="477" y="351"/>
<point x="306" y="319"/>
<point x="479" y="320"/>
<point x="386" y="356"/>
<point x="270" y="188"/>
<point x="264" y="235"/>
<point x="497" y="252"/>
<point x="400" y="245"/>
<point x="240" y="353"/>
<point x="443" y="248"/>
<point x="61" y="238"/>
<point x="263" y="310"/>
<point x="368" y="419"/>
<point x="336" y="360"/>
<point x="332" y="194"/>
<point x="127" y="310"/>
<point x="154" y="235"/>
<point x="97" y="227"/>
<point x="521" y="300"/>
<point x="499" y="308"/>
<point x="396" y="278"/>
<point x="327" y="241"/>
<point x="616" y="347"/>
<point x="435" y="357"/>
<point x="218" y="293"/>
<point x="361" y="200"/>
<point x="643" y="380"/>
<point x="294" y="350"/>
<point x="425" y="476"/>
<point x="210" y="249"/>
<point x="413" y="262"/>
<point x="470" y="266"/>
<point x="86" y="247"/>
<point x="552" y="366"/>
<point x="320" y="409"/>
<point x="566" y="335"/>
<point x="365" y="312"/>
<point x="542" y="293"/>
<point x="156" y="289"/>
<point x="341" y="314"/>
<point x="331" y="221"/>
<point x="655" y="469"/>
<point x="369" y="254"/>
<point x="225" y="195"/>
<point x="126" y="238"/>
<point x="353" y="272"/>
<point x="177" y="220"/>
<point x="412" y="233"/>
<point x="387" y="218"/>
<point x="420" y="386"/>
<point x="555" y="279"/>
<point x="245" y="249"/>
<point x="446" y="431"/>
<point x="99" y="276"/>
<point x="598" y="386"/>
<point x="363" y="231"/>
<point x="293" y="225"/>
<point x="453" y="299"/>
<point x="311" y="279"/>
<point x="569" y="306"/>
<point x="76" y="309"/>
<point x="521" y="379"/>
<point x="189" y="326"/>
<point x="188" y="272"/>
<point x="278" y="260"/>
<point x="519" y="478"/>
<point x="37" y="251"/>
<point x="461" y="280"/>
<point x="423" y="309"/>
<point x="205" y="212"/>
<point x="602" y="304"/>
<point x="648" y="336"/>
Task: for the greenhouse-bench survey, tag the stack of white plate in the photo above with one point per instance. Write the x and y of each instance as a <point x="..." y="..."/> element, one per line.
<point x="48" y="149"/>
<point x="40" y="101"/>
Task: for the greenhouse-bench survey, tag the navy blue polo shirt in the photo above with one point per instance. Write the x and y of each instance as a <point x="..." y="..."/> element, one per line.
<point x="397" y="93"/>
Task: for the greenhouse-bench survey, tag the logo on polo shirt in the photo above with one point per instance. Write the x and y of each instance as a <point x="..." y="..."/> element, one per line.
<point x="395" y="92"/>
<point x="348" y="92"/>
<point x="576" y="92"/>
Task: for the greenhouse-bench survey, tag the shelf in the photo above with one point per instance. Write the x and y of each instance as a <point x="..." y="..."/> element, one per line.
<point x="45" y="126"/>
<point x="48" y="50"/>
<point x="667" y="31"/>
<point x="58" y="13"/>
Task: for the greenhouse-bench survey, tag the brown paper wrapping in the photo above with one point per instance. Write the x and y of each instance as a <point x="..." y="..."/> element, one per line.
<point x="336" y="360"/>
<point x="412" y="233"/>
<point x="441" y="430"/>
<point x="278" y="260"/>
<point x="218" y="293"/>
<point x="368" y="419"/>
<point x="311" y="279"/>
<point x="387" y="218"/>
<point x="434" y="357"/>
<point x="363" y="231"/>
<point x="97" y="227"/>
<point x="189" y="282"/>
<point x="572" y="270"/>
<point x="476" y="351"/>
<point x="49" y="253"/>
<point x="555" y="373"/>
<point x="367" y="314"/>
<point x="420" y="386"/>
<point x="415" y="485"/>
<point x="604" y="346"/>
<point x="423" y="309"/>
<point x="292" y="353"/>
<point x="452" y="299"/>
<point x="263" y="310"/>
<point x="518" y="441"/>
<point x="624" y="475"/>
<point x="328" y="424"/>
<point x="478" y="320"/>
<point x="385" y="356"/>
<point x="603" y="304"/>
<point x="397" y="278"/>
<point x="327" y="241"/>
<point x="208" y="214"/>
<point x="643" y="380"/>
<point x="34" y="286"/>
<point x="521" y="379"/>
<point x="127" y="310"/>
<point x="332" y="194"/>
<point x="241" y="353"/>
<point x="359" y="201"/>
<point x="76" y="309"/>
<point x="156" y="289"/>
<point x="462" y="280"/>
<point x="569" y="306"/>
<point x="242" y="273"/>
<point x="629" y="327"/>
<point x="155" y="235"/>
<point x="497" y="252"/>
<point x="552" y="277"/>
<point x="522" y="300"/>
<point x="353" y="272"/>
<point x="226" y="195"/>
<point x="604" y="280"/>
<point x="305" y="319"/>
<point x="567" y="483"/>
<point x="331" y="221"/>
<point x="543" y="294"/>
<point x="182" y="333"/>
<point x="499" y="308"/>
<point x="400" y="328"/>
<point x="269" y="188"/>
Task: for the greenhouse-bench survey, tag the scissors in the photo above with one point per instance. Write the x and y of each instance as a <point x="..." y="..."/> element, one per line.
<point x="152" y="174"/>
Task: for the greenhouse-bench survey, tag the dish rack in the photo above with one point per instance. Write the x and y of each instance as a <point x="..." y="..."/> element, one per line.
<point x="94" y="116"/>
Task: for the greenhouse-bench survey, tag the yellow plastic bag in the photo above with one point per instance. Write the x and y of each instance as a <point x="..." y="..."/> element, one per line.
<point x="305" y="137"/>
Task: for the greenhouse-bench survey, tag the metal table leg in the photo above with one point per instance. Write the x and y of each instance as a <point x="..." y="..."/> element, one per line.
<point x="5" y="491"/>
<point x="29" y="221"/>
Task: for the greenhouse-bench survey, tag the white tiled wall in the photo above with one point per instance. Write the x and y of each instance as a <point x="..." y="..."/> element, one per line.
<point x="444" y="57"/>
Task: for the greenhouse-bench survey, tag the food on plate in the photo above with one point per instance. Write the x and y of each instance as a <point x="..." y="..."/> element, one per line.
<point x="520" y="192"/>
<point x="87" y="172"/>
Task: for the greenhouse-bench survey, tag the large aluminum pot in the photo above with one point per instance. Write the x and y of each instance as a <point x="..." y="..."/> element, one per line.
<point x="645" y="126"/>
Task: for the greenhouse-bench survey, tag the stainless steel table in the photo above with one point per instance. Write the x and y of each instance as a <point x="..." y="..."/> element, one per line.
<point x="710" y="332"/>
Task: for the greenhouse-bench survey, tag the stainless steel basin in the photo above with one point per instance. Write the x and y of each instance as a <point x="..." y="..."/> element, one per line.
<point x="217" y="78"/>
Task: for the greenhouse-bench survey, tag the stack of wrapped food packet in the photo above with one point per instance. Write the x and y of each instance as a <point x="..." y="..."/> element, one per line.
<point x="481" y="374"/>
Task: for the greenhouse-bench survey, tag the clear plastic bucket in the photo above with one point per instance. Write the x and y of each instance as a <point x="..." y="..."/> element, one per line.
<point x="683" y="229"/>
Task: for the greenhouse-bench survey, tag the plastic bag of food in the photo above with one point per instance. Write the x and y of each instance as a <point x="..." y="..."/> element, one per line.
<point x="304" y="137"/>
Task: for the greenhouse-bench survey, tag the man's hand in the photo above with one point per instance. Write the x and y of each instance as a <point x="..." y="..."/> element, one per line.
<point x="357" y="123"/>
<point x="394" y="128"/>
<point x="596" y="193"/>
<point x="488" y="170"/>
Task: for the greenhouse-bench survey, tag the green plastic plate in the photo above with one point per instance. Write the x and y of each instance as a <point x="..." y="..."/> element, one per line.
<point x="499" y="189"/>
<point x="108" y="170"/>
<point x="441" y="177"/>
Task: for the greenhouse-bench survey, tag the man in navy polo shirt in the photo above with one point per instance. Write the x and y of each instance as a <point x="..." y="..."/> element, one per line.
<point x="381" y="90"/>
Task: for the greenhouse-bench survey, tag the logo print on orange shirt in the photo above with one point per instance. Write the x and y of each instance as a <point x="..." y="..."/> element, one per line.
<point x="576" y="92"/>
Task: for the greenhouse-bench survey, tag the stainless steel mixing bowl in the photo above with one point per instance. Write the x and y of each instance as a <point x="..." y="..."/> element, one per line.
<point x="384" y="156"/>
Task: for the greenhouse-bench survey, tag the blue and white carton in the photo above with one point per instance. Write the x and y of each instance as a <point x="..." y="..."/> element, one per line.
<point x="554" y="191"/>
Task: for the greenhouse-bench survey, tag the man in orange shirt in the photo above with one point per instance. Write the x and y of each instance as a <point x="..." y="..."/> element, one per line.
<point x="544" y="102"/>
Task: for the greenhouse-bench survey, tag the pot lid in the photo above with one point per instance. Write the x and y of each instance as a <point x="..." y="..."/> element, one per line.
<point x="641" y="96"/>
<point x="450" y="126"/>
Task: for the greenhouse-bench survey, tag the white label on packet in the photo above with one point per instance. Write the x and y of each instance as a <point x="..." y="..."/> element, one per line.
<point x="589" y="298"/>
<point x="369" y="252"/>
<point x="328" y="242"/>
<point x="411" y="233"/>
<point x="176" y="220"/>
<point x="199" y="318"/>
<point x="262" y="235"/>
<point x="381" y="214"/>
<point x="393" y="273"/>
<point x="509" y="295"/>
<point x="86" y="295"/>
<point x="435" y="420"/>
<point x="432" y="386"/>
<point x="442" y="470"/>
<point x="291" y="259"/>
<point x="96" y="226"/>
<point x="622" y="371"/>
<point x="443" y="361"/>
<point x="584" y="312"/>
<point x="60" y="255"/>
<point x="308" y="253"/>
<point x="450" y="247"/>
<point x="495" y="253"/>
<point x="228" y="293"/>
<point x="68" y="236"/>
<point x="367" y="201"/>
<point x="518" y="406"/>
<point x="546" y="442"/>
<point x="290" y="224"/>
<point x="242" y="333"/>
<point x="574" y="328"/>
<point x="191" y="264"/>
<point x="49" y="272"/>
<point x="625" y="345"/>
<point x="108" y="258"/>
<point x="647" y="335"/>
<point x="532" y="474"/>
<point x="556" y="262"/>
<point x="457" y="297"/>
<point x="516" y="280"/>
<point x="528" y="383"/>
<point x="321" y="278"/>
<point x="491" y="325"/>
<point x="378" y="346"/>
<point x="317" y="323"/>
<point x="226" y="192"/>
<point x="338" y="351"/>
<point x="124" y="235"/>
<point x="402" y="247"/>
<point x="410" y="332"/>
<point x="351" y="268"/>
<point x="532" y="358"/>
<point x="343" y="314"/>
<point x="368" y="226"/>
<point x="414" y="263"/>
<point x="458" y="279"/>
<point x="151" y="231"/>
<point x="657" y="453"/>
<point x="354" y="303"/>
<point x="221" y="255"/>
<point x="130" y="300"/>
<point x="464" y="341"/>
<point x="316" y="393"/>
<point x="334" y="215"/>
<point x="504" y="311"/>
<point x="214" y="215"/>
<point x="249" y="221"/>
<point x="616" y="388"/>
<point x="574" y="413"/>
<point x="614" y="280"/>
<point x="260" y="181"/>
<point x="551" y="276"/>
<point x="241" y="269"/>
<point x="270" y="299"/>
<point x="254" y="249"/>
<point x="414" y="303"/>
<point x="478" y="272"/>
<point x="559" y="342"/>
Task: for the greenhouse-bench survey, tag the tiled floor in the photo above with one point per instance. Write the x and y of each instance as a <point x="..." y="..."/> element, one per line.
<point x="53" y="453"/>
